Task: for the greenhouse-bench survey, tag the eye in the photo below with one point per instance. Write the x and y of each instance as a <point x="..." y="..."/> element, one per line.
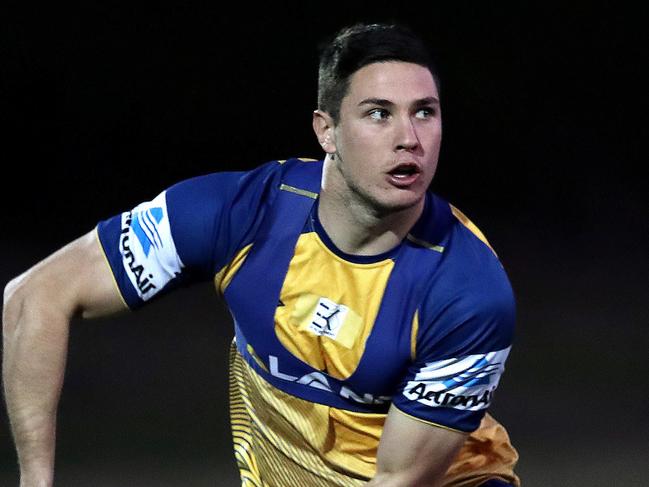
<point x="425" y="112"/>
<point x="378" y="114"/>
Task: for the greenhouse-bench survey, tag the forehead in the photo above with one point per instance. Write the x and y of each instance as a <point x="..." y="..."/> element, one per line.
<point x="396" y="81"/>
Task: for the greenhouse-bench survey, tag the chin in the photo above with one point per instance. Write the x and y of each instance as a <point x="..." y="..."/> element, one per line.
<point x="398" y="203"/>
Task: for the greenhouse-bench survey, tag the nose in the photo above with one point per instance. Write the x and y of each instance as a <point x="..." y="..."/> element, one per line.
<point x="406" y="135"/>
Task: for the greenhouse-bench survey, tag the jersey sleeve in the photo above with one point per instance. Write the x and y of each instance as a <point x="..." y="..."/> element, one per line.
<point x="186" y="233"/>
<point x="463" y="340"/>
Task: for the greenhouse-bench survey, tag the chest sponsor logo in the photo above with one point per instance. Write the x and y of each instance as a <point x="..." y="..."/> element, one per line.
<point x="466" y="383"/>
<point x="318" y="380"/>
<point x="317" y="316"/>
<point x="328" y="318"/>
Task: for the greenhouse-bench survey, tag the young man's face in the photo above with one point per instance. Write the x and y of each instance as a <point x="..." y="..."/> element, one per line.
<point x="388" y="136"/>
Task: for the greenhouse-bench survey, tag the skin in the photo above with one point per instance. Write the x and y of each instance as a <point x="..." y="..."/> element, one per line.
<point x="38" y="307"/>
<point x="429" y="451"/>
<point x="390" y="115"/>
<point x="361" y="209"/>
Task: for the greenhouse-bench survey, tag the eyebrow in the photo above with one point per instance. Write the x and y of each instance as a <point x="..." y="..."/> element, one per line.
<point x="429" y="100"/>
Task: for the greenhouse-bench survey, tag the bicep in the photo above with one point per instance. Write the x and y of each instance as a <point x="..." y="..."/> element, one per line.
<point x="414" y="452"/>
<point x="100" y="295"/>
<point x="75" y="280"/>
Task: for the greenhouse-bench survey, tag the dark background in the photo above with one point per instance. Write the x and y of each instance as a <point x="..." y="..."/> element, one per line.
<point x="545" y="114"/>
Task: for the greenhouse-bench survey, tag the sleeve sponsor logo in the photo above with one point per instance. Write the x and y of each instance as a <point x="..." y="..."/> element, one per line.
<point x="144" y="226"/>
<point x="466" y="383"/>
<point x="148" y="252"/>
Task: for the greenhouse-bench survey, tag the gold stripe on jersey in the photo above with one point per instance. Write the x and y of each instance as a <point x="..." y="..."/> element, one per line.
<point x="423" y="243"/>
<point x="414" y="329"/>
<point x="256" y="358"/>
<point x="284" y="441"/>
<point x="223" y="278"/>
<point x="303" y="159"/>
<point x="471" y="226"/>
<point x="318" y="281"/>
<point x="301" y="192"/>
<point x="242" y="432"/>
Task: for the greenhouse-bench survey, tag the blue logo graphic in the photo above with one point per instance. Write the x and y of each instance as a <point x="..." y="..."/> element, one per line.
<point x="477" y="374"/>
<point x="144" y="226"/>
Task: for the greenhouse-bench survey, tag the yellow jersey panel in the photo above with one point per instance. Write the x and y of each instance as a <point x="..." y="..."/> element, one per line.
<point x="225" y="275"/>
<point x="292" y="441"/>
<point x="328" y="306"/>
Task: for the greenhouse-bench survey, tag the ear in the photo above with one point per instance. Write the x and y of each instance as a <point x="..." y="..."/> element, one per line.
<point x="323" y="126"/>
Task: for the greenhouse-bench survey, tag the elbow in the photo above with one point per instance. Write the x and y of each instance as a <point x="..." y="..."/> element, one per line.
<point x="29" y="300"/>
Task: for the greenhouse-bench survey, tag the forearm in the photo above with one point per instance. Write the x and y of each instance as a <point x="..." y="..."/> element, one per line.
<point x="35" y="338"/>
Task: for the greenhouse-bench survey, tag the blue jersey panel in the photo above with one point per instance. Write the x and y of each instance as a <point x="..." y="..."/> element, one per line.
<point x="214" y="216"/>
<point x="187" y="232"/>
<point x="465" y="334"/>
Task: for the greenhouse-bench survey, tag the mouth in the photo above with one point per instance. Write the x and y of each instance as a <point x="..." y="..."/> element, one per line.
<point x="404" y="174"/>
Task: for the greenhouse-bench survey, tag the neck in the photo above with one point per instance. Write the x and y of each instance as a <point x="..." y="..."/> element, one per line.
<point x="354" y="225"/>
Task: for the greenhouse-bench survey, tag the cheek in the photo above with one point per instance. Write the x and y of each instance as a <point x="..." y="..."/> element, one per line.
<point x="431" y="134"/>
<point x="359" y="134"/>
<point x="435" y="145"/>
<point x="368" y="148"/>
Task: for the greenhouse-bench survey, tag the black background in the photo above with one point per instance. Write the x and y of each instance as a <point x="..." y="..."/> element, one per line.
<point x="104" y="105"/>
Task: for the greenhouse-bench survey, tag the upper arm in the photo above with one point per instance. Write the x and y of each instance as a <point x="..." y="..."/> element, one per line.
<point x="73" y="280"/>
<point x="187" y="233"/>
<point x="412" y="452"/>
<point x="462" y="344"/>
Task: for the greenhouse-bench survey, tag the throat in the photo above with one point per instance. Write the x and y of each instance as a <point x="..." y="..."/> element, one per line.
<point x="354" y="230"/>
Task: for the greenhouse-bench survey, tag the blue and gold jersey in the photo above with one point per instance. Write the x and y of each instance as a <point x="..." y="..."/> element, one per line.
<point x="325" y="341"/>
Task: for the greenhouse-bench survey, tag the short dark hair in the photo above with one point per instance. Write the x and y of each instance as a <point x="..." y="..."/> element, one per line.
<point x="357" y="46"/>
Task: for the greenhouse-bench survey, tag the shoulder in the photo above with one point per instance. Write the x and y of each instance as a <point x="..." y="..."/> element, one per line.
<point x="469" y="296"/>
<point x="221" y="193"/>
<point x="218" y="186"/>
<point x="225" y="208"/>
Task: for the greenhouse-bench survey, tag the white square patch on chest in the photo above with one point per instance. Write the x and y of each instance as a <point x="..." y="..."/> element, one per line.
<point x="328" y="318"/>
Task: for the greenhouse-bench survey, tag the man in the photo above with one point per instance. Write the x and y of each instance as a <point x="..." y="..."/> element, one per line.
<point x="372" y="319"/>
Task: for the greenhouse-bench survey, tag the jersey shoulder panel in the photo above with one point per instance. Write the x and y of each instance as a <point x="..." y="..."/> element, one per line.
<point x="187" y="232"/>
<point x="469" y="302"/>
<point x="466" y="324"/>
<point x="214" y="216"/>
